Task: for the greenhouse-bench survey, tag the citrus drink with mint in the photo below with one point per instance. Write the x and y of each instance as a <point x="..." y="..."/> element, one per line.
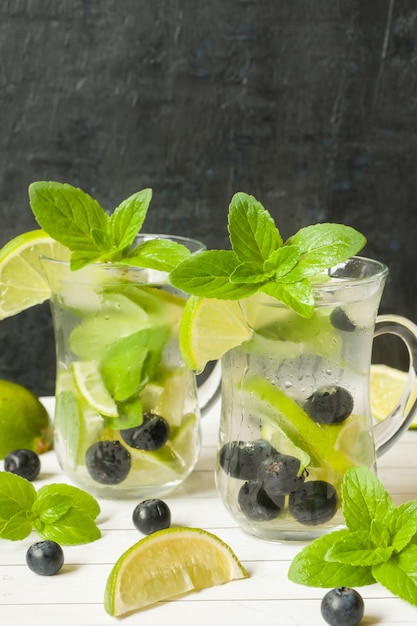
<point x="295" y="408"/>
<point x="126" y="417"/>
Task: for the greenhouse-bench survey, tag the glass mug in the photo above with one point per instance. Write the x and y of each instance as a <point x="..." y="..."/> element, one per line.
<point x="127" y="415"/>
<point x="295" y="411"/>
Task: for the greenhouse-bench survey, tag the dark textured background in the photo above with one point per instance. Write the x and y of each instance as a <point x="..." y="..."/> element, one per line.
<point x="309" y="106"/>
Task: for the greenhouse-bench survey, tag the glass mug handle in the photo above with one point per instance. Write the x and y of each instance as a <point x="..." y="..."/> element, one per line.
<point x="209" y="386"/>
<point x="387" y="431"/>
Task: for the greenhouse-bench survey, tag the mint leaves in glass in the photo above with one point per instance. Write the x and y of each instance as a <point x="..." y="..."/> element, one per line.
<point x="127" y="414"/>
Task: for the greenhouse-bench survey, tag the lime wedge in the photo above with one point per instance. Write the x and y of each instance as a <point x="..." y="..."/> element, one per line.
<point x="91" y="387"/>
<point x="166" y="564"/>
<point x="387" y="386"/>
<point x="209" y="328"/>
<point x="22" y="283"/>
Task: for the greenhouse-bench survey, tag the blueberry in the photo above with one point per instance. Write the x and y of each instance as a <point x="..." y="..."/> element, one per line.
<point x="25" y="463"/>
<point x="151" y="515"/>
<point x="340" y="320"/>
<point x="45" y="558"/>
<point x="280" y="475"/>
<point x="150" y="435"/>
<point x="314" y="503"/>
<point x="108" y="462"/>
<point x="342" y="606"/>
<point x="256" y="504"/>
<point x="241" y="459"/>
<point x="329" y="405"/>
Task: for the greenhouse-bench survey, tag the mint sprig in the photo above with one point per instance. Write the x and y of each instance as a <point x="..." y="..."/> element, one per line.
<point x="379" y="543"/>
<point x="77" y="221"/>
<point x="59" y="512"/>
<point x="261" y="261"/>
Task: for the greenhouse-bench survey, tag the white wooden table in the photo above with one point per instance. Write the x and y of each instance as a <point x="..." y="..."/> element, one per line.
<point x="75" y="595"/>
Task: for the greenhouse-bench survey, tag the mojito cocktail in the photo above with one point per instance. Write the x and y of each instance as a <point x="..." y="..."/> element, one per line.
<point x="295" y="406"/>
<point x="127" y="416"/>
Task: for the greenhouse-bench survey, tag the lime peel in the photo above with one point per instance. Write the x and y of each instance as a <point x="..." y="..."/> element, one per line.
<point x="91" y="387"/>
<point x="209" y="328"/>
<point x="166" y="564"/>
<point x="298" y="426"/>
<point x="21" y="277"/>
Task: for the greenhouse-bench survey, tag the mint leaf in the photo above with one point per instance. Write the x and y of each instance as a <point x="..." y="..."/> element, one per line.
<point x="80" y="259"/>
<point x="130" y="362"/>
<point x="399" y="574"/>
<point x="67" y="214"/>
<point x="249" y="272"/>
<point x="297" y="296"/>
<point x="50" y="509"/>
<point x="402" y="524"/>
<point x="127" y="219"/>
<point x="281" y="261"/>
<point x="207" y="274"/>
<point x="130" y="415"/>
<point x="74" y="527"/>
<point x="158" y="254"/>
<point x="253" y="233"/>
<point x="379" y="546"/>
<point x="357" y="548"/>
<point x="364" y="499"/>
<point x="380" y="535"/>
<point x="324" y="245"/>
<point x="81" y="500"/>
<point x="101" y="239"/>
<point x="17" y="527"/>
<point x="310" y="566"/>
<point x="16" y="495"/>
<point x="60" y="512"/>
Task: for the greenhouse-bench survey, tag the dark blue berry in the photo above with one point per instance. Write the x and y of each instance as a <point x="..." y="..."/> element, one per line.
<point x="25" y="463"/>
<point x="151" y="515"/>
<point x="342" y="606"/>
<point x="340" y="320"/>
<point x="314" y="503"/>
<point x="108" y="462"/>
<point x="241" y="459"/>
<point x="329" y="405"/>
<point x="256" y="504"/>
<point x="281" y="475"/>
<point x="152" y="434"/>
<point x="45" y="558"/>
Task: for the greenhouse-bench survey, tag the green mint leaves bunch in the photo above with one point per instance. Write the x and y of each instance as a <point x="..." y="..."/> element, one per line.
<point x="260" y="260"/>
<point x="378" y="545"/>
<point x="58" y="512"/>
<point x="77" y="221"/>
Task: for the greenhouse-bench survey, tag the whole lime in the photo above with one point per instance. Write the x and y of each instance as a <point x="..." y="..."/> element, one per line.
<point x="24" y="421"/>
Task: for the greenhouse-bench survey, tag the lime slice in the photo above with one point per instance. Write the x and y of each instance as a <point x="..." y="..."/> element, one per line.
<point x="90" y="385"/>
<point x="209" y="328"/>
<point x="297" y="425"/>
<point x="22" y="282"/>
<point x="166" y="564"/>
<point x="387" y="385"/>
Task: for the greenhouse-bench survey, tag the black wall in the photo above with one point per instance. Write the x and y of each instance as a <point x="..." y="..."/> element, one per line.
<point x="309" y="106"/>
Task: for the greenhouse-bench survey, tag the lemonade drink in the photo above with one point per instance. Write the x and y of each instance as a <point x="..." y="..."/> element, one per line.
<point x="127" y="416"/>
<point x="295" y="400"/>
